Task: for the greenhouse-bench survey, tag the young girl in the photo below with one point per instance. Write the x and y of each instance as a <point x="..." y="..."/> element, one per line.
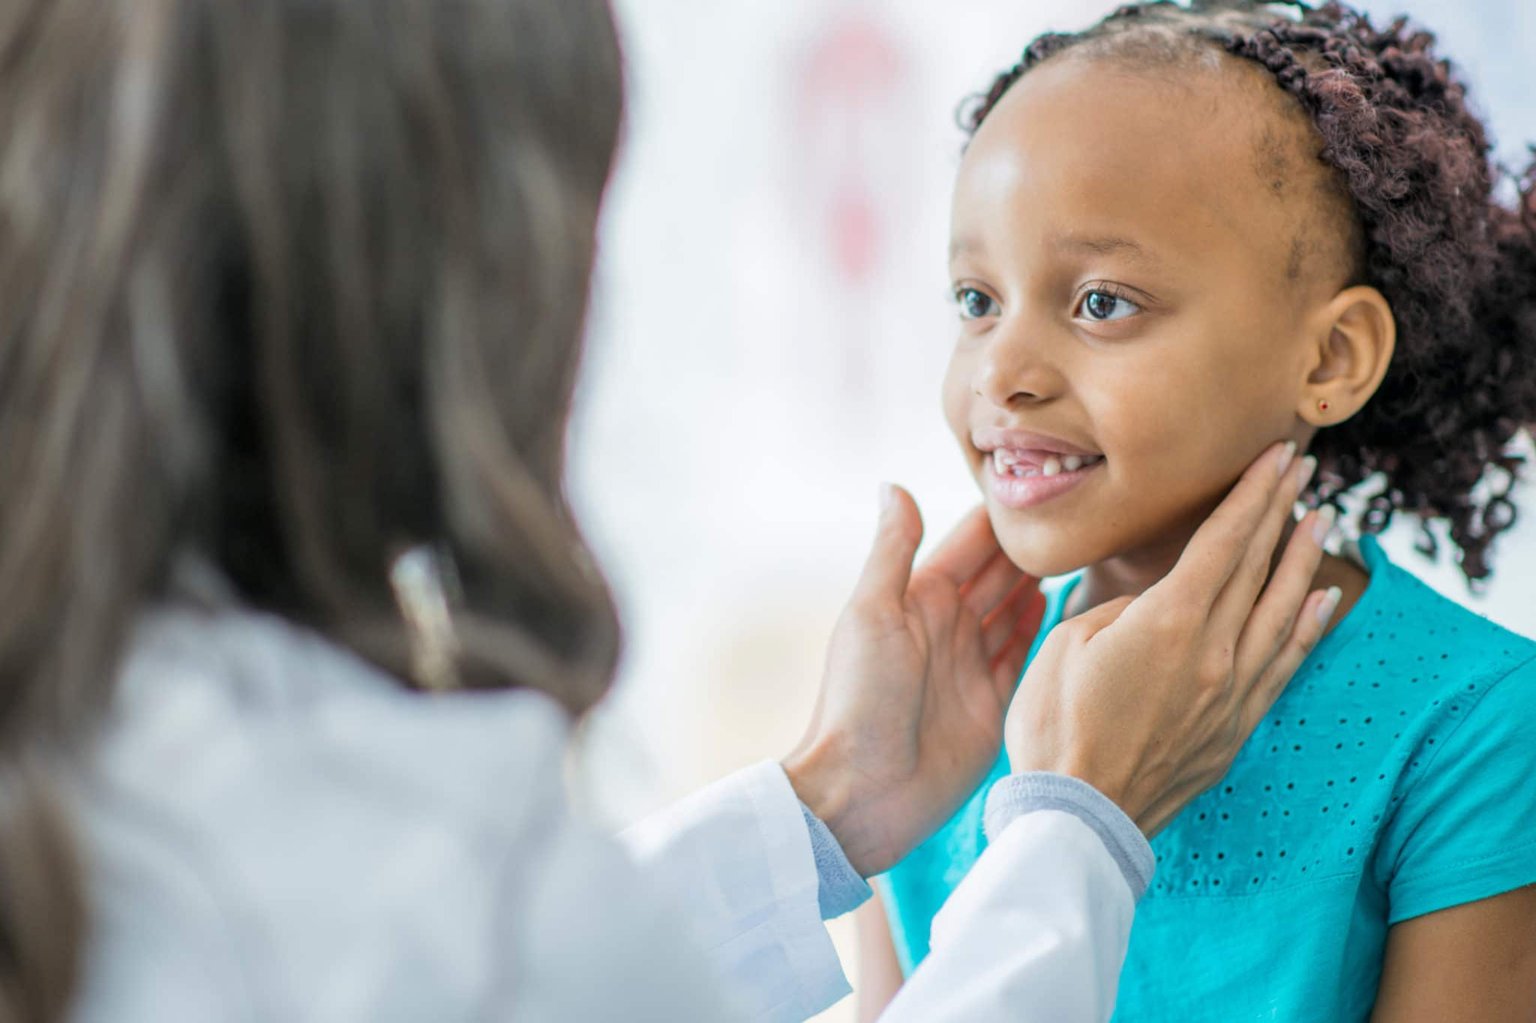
<point x="1175" y="235"/>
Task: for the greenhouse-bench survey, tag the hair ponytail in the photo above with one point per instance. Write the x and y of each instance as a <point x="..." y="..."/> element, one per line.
<point x="1502" y="394"/>
<point x="42" y="912"/>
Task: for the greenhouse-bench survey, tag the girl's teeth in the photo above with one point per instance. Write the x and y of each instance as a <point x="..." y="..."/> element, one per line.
<point x="1054" y="465"/>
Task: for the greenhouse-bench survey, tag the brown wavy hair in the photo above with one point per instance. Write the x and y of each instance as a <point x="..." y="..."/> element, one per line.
<point x="1457" y="264"/>
<point x="293" y="286"/>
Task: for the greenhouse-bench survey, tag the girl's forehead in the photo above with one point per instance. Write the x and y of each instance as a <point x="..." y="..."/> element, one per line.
<point x="1188" y="158"/>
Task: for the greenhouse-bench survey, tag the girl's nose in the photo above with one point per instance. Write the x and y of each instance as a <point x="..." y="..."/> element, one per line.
<point x="1015" y="369"/>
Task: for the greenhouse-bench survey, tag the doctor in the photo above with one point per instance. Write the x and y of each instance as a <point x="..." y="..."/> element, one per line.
<point x="293" y="307"/>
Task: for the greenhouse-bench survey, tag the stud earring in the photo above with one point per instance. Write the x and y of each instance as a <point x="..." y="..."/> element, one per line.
<point x="1322" y="406"/>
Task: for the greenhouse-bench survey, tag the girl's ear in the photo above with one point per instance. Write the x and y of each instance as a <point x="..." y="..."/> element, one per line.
<point x="1356" y="336"/>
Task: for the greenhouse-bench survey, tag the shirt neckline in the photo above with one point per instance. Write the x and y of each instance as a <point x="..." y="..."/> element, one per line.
<point x="1365" y="552"/>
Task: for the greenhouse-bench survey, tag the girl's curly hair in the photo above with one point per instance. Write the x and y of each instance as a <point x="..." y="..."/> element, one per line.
<point x="1456" y="264"/>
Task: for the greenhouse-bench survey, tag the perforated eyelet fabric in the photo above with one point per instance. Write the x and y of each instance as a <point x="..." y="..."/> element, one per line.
<point x="1395" y="776"/>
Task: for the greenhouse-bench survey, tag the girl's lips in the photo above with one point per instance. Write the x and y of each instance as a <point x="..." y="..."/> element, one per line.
<point x="1020" y="492"/>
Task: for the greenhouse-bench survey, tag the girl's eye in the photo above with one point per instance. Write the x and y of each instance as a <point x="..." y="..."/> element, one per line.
<point x="974" y="305"/>
<point x="1106" y="306"/>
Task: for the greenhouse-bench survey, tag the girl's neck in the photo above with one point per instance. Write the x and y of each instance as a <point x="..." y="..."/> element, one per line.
<point x="1130" y="574"/>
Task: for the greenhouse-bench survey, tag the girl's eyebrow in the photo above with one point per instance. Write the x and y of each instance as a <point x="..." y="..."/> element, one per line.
<point x="965" y="246"/>
<point x="1103" y="245"/>
<point x="1098" y="245"/>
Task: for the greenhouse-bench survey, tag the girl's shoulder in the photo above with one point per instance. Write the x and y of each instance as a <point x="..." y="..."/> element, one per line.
<point x="1459" y="701"/>
<point x="1407" y="681"/>
<point x="1412" y="720"/>
<point x="1398" y="754"/>
<point x="1403" y="630"/>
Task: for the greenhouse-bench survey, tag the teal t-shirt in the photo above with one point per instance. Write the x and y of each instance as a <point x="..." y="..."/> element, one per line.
<point x="1395" y="776"/>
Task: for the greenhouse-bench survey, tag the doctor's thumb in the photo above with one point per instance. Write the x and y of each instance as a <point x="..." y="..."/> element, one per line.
<point x="889" y="566"/>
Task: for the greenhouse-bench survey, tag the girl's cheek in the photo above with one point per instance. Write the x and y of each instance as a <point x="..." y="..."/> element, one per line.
<point x="1177" y="442"/>
<point x="956" y="396"/>
<point x="1133" y="419"/>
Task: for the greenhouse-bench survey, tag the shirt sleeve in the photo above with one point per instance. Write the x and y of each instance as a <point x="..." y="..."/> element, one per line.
<point x="1037" y="932"/>
<point x="1462" y="829"/>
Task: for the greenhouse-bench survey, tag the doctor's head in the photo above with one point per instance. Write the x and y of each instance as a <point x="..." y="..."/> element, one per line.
<point x="290" y="287"/>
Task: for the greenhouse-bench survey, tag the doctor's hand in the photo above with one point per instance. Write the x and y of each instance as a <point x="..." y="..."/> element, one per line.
<point x="919" y="675"/>
<point x="1149" y="699"/>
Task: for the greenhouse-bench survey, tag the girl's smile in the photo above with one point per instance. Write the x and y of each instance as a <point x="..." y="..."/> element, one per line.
<point x="1024" y="489"/>
<point x="1026" y="469"/>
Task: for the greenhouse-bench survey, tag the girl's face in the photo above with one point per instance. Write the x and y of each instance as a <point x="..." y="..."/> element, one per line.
<point x="1130" y="255"/>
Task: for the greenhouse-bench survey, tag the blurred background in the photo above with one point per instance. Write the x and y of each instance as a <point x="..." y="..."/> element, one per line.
<point x="771" y="323"/>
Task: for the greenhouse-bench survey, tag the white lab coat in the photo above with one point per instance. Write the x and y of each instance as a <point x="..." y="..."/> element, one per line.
<point x="274" y="831"/>
<point x="1036" y="931"/>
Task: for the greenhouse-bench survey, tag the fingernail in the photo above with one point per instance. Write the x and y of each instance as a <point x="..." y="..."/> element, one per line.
<point x="1308" y="467"/>
<point x="1323" y="526"/>
<point x="887" y="498"/>
<point x="1329" y="605"/>
<point x="1286" y="455"/>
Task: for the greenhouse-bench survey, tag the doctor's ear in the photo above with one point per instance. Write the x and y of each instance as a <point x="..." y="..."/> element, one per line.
<point x="1354" y="339"/>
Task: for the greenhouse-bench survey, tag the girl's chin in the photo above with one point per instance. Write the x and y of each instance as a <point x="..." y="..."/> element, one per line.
<point x="1040" y="557"/>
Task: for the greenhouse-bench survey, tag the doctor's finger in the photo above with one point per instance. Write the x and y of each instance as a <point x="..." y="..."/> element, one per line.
<point x="888" y="569"/>
<point x="1235" y="606"/>
<point x="1008" y="663"/>
<point x="1218" y="546"/>
<point x="991" y="586"/>
<point x="1273" y="619"/>
<point x="1024" y="608"/>
<point x="1312" y="620"/>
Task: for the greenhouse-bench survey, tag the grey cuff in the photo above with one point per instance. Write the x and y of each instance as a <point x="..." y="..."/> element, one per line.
<point x="1018" y="794"/>
<point x="840" y="889"/>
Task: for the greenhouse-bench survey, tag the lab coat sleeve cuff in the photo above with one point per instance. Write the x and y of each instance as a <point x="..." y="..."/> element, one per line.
<point x="840" y="888"/>
<point x="1025" y="792"/>
<point x="738" y="853"/>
